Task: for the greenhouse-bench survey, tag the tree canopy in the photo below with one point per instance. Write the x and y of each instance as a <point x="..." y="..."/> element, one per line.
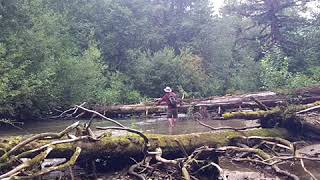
<point x="56" y="53"/>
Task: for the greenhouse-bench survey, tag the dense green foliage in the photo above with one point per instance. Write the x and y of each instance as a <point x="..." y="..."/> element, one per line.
<point x="184" y="72"/>
<point x="56" y="53"/>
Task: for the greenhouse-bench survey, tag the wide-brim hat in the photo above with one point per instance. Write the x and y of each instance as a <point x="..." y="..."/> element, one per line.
<point x="167" y="89"/>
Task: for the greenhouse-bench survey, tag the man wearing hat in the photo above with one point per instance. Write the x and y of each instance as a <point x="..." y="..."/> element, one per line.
<point x="170" y="98"/>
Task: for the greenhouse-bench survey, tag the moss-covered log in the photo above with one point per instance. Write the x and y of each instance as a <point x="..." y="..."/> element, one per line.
<point x="131" y="145"/>
<point x="250" y="115"/>
<point x="274" y="112"/>
<point x="287" y="117"/>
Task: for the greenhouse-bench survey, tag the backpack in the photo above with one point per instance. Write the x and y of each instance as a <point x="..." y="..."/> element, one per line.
<point x="172" y="101"/>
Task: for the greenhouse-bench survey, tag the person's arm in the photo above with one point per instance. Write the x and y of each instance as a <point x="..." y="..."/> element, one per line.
<point x="161" y="100"/>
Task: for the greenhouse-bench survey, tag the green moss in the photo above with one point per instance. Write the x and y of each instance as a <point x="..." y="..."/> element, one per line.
<point x="10" y="142"/>
<point x="249" y="115"/>
<point x="132" y="144"/>
<point x="301" y="107"/>
<point x="37" y="159"/>
<point x="63" y="147"/>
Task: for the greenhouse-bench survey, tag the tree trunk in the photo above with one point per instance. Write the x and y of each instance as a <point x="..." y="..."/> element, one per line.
<point x="131" y="145"/>
<point x="295" y="118"/>
<point x="226" y="103"/>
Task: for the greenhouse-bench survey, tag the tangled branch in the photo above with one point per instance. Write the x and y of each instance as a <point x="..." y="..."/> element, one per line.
<point x="25" y="170"/>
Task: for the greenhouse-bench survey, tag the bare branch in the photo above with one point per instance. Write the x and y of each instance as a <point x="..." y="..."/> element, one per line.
<point x="39" y="136"/>
<point x="25" y="154"/>
<point x="227" y="128"/>
<point x="306" y="170"/>
<point x="66" y="165"/>
<point x="27" y="164"/>
<point x="260" y="104"/>
<point x="102" y="116"/>
<point x="273" y="139"/>
<point x="65" y="113"/>
<point x="309" y="109"/>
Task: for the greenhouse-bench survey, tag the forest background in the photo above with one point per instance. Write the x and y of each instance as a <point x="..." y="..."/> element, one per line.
<point x="57" y="53"/>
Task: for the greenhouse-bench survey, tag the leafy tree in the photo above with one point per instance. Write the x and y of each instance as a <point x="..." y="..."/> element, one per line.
<point x="275" y="73"/>
<point x="277" y="21"/>
<point x="118" y="90"/>
<point x="56" y="53"/>
<point x="274" y="70"/>
<point x="42" y="68"/>
<point x="151" y="73"/>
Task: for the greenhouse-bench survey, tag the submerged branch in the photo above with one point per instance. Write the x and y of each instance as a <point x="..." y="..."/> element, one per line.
<point x="227" y="128"/>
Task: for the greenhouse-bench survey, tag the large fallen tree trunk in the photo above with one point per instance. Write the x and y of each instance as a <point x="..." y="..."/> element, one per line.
<point x="131" y="144"/>
<point x="211" y="105"/>
<point x="218" y="105"/>
<point x="215" y="104"/>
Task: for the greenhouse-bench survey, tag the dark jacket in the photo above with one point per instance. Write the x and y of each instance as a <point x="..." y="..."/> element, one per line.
<point x="165" y="99"/>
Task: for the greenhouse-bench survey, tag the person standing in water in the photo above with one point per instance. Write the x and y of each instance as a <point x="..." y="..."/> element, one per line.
<point x="170" y="98"/>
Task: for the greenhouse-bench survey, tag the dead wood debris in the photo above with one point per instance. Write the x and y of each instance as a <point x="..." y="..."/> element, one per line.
<point x="12" y="166"/>
<point x="266" y="151"/>
<point x="261" y="151"/>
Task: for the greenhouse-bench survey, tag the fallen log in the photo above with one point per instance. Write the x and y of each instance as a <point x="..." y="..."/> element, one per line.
<point x="268" y="99"/>
<point x="250" y="115"/>
<point x="132" y="145"/>
<point x="103" y="146"/>
<point x="275" y="111"/>
<point x="294" y="118"/>
<point x="260" y="100"/>
<point x="224" y="104"/>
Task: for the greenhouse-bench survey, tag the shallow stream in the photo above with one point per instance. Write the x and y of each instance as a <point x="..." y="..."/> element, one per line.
<point x="151" y="125"/>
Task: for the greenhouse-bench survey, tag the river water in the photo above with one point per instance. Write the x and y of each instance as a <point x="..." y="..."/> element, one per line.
<point x="150" y="125"/>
